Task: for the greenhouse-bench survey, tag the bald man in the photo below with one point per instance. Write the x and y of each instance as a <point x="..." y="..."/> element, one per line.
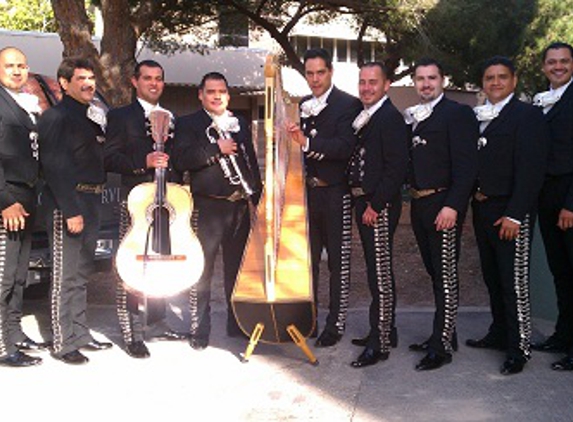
<point x="18" y="177"/>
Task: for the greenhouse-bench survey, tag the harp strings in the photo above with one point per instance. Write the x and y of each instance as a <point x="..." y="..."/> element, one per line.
<point x="282" y="145"/>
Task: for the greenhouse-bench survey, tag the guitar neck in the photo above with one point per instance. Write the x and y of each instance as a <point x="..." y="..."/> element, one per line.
<point x="160" y="178"/>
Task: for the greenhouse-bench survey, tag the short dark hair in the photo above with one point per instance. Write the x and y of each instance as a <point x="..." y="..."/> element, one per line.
<point x="498" y="61"/>
<point x="70" y="64"/>
<point x="556" y="46"/>
<point x="212" y="76"/>
<point x="146" y="63"/>
<point x="428" y="61"/>
<point x="386" y="72"/>
<point x="318" y="53"/>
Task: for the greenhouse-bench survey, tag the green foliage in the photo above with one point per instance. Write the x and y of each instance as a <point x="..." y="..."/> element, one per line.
<point x="27" y="15"/>
<point x="553" y="22"/>
<point x="464" y="33"/>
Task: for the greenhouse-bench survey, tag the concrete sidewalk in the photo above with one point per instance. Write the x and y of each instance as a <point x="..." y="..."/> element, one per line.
<point x="278" y="384"/>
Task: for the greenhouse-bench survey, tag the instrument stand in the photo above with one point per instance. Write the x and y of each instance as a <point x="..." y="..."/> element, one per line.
<point x="295" y="334"/>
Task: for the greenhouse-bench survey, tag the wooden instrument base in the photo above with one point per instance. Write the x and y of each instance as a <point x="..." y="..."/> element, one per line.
<point x="295" y="335"/>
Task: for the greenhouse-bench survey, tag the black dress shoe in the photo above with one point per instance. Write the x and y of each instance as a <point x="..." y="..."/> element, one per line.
<point x="565" y="364"/>
<point x="369" y="357"/>
<point x="94" y="346"/>
<point x="327" y="339"/>
<point x="419" y="347"/>
<point x="170" y="335"/>
<point x="424" y="346"/>
<point x="363" y="341"/>
<point x="552" y="345"/>
<point x="512" y="366"/>
<point x="73" y="358"/>
<point x="485" y="343"/>
<point x="433" y="361"/>
<point x="198" y="343"/>
<point x="137" y="349"/>
<point x="360" y="341"/>
<point x="30" y="345"/>
<point x="19" y="359"/>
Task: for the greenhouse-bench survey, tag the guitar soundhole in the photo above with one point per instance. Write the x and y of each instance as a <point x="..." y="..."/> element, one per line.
<point x="150" y="213"/>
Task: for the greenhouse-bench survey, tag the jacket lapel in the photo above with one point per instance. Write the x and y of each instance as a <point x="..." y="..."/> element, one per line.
<point x="567" y="97"/>
<point x="505" y="112"/>
<point x="19" y="113"/>
<point x="420" y="127"/>
<point x="368" y="128"/>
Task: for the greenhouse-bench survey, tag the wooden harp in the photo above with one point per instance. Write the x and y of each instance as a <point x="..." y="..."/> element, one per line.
<point x="273" y="292"/>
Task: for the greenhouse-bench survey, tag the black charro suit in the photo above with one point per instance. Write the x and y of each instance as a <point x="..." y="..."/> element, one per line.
<point x="557" y="194"/>
<point x="71" y="157"/>
<point x="378" y="166"/>
<point x="221" y="219"/>
<point x="128" y="142"/>
<point x="512" y="160"/>
<point x="18" y="178"/>
<point x="443" y="157"/>
<point x="331" y="144"/>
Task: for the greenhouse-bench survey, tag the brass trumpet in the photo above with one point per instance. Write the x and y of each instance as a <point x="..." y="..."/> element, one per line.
<point x="228" y="163"/>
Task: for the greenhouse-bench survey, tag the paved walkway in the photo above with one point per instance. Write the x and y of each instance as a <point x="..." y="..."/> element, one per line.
<point x="178" y="383"/>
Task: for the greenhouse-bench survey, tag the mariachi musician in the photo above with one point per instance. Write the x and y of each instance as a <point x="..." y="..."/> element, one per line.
<point x="327" y="139"/>
<point x="71" y="137"/>
<point x="130" y="151"/>
<point x="217" y="149"/>
<point x="18" y="176"/>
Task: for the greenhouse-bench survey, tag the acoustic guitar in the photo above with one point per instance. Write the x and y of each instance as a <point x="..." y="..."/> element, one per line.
<point x="160" y="254"/>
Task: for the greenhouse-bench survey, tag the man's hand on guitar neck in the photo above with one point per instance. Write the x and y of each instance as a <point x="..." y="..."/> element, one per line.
<point x="157" y="159"/>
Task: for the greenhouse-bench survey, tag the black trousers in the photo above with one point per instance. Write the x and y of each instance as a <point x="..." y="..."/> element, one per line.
<point x="505" y="269"/>
<point x="559" y="250"/>
<point x="330" y="227"/>
<point x="132" y="321"/>
<point x="72" y="259"/>
<point x="220" y="224"/>
<point x="377" y="244"/>
<point x="14" y="261"/>
<point x="440" y="253"/>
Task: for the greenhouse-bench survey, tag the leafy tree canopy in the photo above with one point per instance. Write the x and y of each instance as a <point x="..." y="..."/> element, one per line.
<point x="552" y="22"/>
<point x="27" y="15"/>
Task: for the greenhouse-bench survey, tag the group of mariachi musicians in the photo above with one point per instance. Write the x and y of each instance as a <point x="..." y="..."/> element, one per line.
<point x="512" y="160"/>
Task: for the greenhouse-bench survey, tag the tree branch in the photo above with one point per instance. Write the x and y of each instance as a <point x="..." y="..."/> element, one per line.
<point x="280" y="38"/>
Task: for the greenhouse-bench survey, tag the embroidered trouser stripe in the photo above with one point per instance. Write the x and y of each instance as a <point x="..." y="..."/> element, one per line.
<point x="4" y="313"/>
<point x="384" y="278"/>
<point x="521" y="285"/>
<point x="450" y="286"/>
<point x="120" y="292"/>
<point x="346" y="249"/>
<point x="193" y="309"/>
<point x="57" y="279"/>
<point x="439" y="251"/>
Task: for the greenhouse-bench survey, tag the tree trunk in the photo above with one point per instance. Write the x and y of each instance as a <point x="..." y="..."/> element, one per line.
<point x="115" y="61"/>
<point x="118" y="46"/>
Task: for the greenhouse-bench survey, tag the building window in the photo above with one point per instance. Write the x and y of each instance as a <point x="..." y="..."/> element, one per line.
<point x="328" y="45"/>
<point x="315" y="42"/>
<point x="341" y="50"/>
